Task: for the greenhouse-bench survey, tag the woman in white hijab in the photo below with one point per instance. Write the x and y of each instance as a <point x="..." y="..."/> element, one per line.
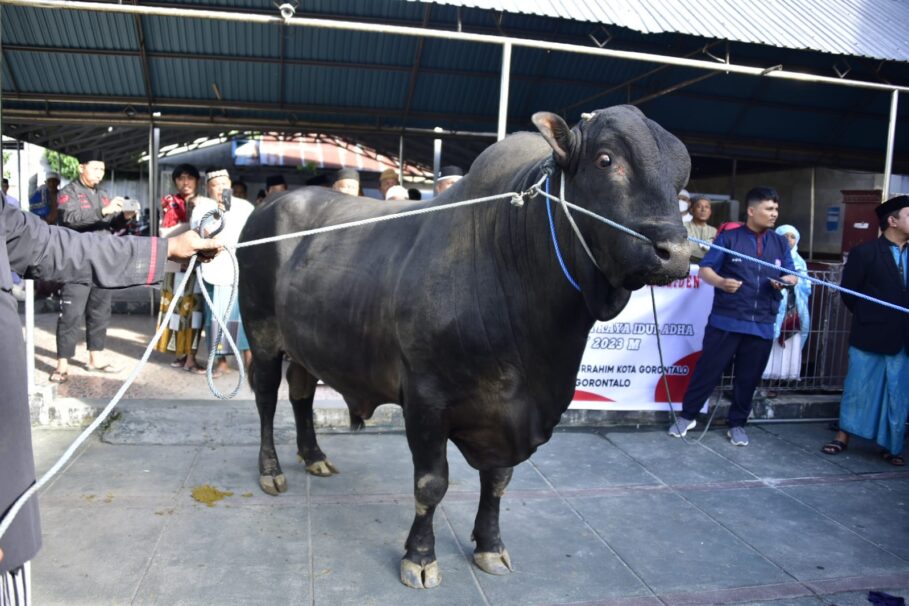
<point x="790" y="331"/>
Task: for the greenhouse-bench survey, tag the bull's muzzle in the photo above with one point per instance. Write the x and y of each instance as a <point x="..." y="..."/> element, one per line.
<point x="673" y="259"/>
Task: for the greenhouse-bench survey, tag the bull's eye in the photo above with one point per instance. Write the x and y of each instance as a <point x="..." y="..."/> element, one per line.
<point x="603" y="161"/>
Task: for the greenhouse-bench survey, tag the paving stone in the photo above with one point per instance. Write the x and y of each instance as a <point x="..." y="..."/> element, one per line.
<point x="796" y="538"/>
<point x="236" y="468"/>
<point x="49" y="445"/>
<point x="673" y="546"/>
<point x="804" y="601"/>
<point x="228" y="555"/>
<point x="770" y="456"/>
<point x="462" y="477"/>
<point x="556" y="558"/>
<point x="369" y="464"/>
<point x="196" y="423"/>
<point x="357" y="556"/>
<point x="860" y="598"/>
<point x="862" y="511"/>
<point x="577" y="461"/>
<point x="94" y="553"/>
<point x="861" y="456"/>
<point x="674" y="461"/>
<point x="103" y="471"/>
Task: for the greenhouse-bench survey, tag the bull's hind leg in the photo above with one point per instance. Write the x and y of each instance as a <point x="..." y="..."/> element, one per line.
<point x="266" y="378"/>
<point x="490" y="553"/>
<point x="419" y="568"/>
<point x="302" y="393"/>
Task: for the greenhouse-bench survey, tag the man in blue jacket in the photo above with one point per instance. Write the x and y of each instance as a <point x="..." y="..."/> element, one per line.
<point x="745" y="303"/>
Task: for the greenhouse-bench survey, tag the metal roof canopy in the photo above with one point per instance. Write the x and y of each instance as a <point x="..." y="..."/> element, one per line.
<point x="856" y="28"/>
<point x="141" y="39"/>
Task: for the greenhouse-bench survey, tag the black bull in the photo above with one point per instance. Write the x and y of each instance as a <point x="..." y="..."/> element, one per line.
<point x="462" y="317"/>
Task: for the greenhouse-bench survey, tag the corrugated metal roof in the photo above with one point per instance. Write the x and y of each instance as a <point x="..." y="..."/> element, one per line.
<point x="89" y="67"/>
<point x="860" y="28"/>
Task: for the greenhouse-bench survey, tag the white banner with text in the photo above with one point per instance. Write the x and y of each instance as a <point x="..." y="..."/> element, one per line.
<point x="621" y="365"/>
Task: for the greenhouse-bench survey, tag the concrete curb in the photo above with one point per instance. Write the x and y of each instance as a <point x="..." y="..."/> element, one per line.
<point x="331" y="414"/>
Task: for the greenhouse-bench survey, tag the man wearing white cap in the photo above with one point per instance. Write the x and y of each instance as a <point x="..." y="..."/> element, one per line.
<point x="448" y="176"/>
<point x="44" y="201"/>
<point x="684" y="204"/>
<point x="396" y="192"/>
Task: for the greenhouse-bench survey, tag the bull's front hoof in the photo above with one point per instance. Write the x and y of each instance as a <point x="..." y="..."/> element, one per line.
<point x="273" y="485"/>
<point x="420" y="577"/>
<point x="323" y="468"/>
<point x="492" y="562"/>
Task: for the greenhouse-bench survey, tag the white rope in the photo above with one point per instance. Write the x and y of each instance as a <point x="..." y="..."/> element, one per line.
<point x="223" y="330"/>
<point x="574" y="225"/>
<point x="25" y="496"/>
<point x="379" y="219"/>
<point x="222" y="323"/>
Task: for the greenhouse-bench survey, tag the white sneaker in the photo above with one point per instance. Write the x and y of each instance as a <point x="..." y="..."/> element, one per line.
<point x="737" y="436"/>
<point x="680" y="427"/>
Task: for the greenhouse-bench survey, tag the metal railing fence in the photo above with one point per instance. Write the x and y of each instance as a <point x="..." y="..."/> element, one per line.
<point x="824" y="358"/>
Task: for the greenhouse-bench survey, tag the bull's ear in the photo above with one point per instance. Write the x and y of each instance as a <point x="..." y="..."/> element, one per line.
<point x="557" y="134"/>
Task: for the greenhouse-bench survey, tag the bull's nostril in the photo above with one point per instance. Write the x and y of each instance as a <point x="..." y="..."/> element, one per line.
<point x="662" y="252"/>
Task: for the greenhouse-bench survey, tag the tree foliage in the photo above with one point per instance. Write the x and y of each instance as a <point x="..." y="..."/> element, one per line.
<point x="67" y="166"/>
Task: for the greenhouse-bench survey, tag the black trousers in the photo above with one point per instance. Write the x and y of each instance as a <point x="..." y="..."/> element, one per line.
<point x="748" y="353"/>
<point x="76" y="301"/>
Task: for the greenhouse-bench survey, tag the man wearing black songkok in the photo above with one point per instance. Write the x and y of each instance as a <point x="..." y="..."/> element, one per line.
<point x="85" y="207"/>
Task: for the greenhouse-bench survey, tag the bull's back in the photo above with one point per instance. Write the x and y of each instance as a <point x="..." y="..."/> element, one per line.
<point x="321" y="298"/>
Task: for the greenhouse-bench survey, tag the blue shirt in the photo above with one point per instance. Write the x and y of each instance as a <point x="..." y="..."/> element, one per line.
<point x="901" y="258"/>
<point x="746" y="242"/>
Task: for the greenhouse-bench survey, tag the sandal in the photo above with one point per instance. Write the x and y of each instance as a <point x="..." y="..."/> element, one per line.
<point x="196" y="370"/>
<point x="178" y="363"/>
<point x="834" y="447"/>
<point x="58" y="377"/>
<point x="893" y="459"/>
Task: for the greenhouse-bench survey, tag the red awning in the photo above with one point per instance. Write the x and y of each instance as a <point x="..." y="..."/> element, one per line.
<point x="321" y="152"/>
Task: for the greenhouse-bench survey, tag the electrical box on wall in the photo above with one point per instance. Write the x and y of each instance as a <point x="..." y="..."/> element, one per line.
<point x="859" y="221"/>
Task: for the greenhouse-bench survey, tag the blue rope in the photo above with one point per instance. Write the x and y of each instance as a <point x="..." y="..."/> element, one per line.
<point x="800" y="276"/>
<point x="555" y="242"/>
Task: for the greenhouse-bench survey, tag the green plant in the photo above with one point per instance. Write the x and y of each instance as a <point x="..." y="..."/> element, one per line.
<point x="67" y="166"/>
<point x="6" y="158"/>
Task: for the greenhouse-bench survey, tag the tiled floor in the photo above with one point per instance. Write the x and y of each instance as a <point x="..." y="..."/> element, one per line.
<point x="624" y="517"/>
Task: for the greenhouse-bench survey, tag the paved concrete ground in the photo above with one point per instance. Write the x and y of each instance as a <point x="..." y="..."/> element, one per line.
<point x="626" y="517"/>
<point x="126" y="341"/>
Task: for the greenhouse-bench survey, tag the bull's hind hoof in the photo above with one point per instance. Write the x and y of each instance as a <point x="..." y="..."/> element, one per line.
<point x="273" y="485"/>
<point x="322" y="468"/>
<point x="492" y="562"/>
<point x="420" y="577"/>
